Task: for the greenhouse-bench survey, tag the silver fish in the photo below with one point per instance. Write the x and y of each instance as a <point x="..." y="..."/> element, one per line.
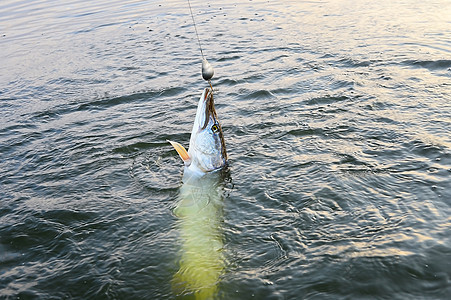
<point x="207" y="150"/>
<point x="199" y="206"/>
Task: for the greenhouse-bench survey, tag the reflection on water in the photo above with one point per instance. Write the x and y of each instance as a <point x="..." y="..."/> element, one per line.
<point x="336" y="115"/>
<point x="200" y="213"/>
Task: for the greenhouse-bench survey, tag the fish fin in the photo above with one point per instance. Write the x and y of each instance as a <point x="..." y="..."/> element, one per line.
<point x="181" y="151"/>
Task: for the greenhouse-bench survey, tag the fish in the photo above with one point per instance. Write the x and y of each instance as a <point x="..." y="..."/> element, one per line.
<point x="207" y="151"/>
<point x="200" y="204"/>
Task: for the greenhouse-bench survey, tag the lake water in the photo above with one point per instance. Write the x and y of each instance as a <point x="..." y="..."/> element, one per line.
<point x="337" y="120"/>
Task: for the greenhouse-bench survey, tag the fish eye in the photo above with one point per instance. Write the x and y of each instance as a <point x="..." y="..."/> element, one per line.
<point x="215" y="128"/>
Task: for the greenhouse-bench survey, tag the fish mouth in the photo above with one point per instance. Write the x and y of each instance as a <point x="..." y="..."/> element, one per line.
<point x="210" y="112"/>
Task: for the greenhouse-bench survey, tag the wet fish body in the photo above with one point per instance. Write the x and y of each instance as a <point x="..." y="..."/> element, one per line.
<point x="199" y="205"/>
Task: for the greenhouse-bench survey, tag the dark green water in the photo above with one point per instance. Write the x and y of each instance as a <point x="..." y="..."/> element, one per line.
<point x="336" y="115"/>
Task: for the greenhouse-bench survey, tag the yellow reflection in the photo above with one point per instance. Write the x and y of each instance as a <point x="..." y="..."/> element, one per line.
<point x="200" y="215"/>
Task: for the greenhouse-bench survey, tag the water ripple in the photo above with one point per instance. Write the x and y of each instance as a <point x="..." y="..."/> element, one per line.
<point x="336" y="119"/>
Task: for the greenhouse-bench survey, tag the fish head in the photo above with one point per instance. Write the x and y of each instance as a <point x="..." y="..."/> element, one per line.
<point x="207" y="151"/>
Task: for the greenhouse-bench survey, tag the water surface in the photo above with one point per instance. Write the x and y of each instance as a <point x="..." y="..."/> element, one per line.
<point x="337" y="121"/>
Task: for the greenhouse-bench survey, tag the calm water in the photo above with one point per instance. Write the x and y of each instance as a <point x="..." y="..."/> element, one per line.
<point x="337" y="118"/>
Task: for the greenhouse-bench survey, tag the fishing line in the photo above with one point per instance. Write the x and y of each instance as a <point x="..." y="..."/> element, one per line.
<point x="195" y="29"/>
<point x="207" y="69"/>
